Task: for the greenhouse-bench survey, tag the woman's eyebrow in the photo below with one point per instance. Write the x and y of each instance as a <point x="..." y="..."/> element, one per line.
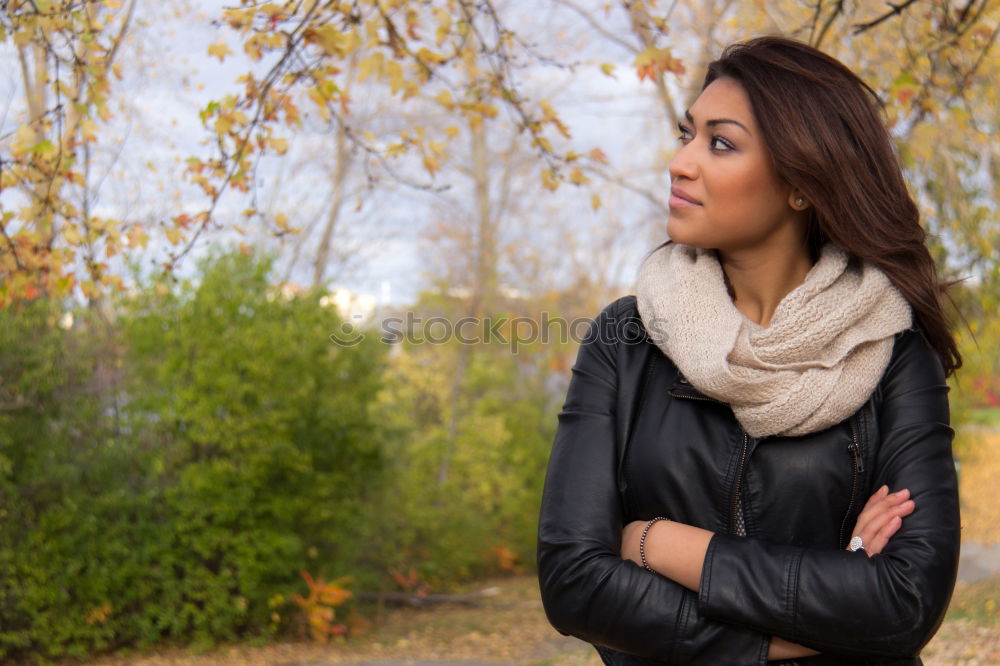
<point x="719" y="121"/>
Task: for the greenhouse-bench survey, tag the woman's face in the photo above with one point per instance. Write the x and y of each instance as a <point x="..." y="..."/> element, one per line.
<point x="725" y="193"/>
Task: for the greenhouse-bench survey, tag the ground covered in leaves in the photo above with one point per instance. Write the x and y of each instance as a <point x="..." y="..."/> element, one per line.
<point x="509" y="627"/>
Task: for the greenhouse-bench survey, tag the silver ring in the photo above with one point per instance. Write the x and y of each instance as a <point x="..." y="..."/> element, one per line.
<point x="856" y="544"/>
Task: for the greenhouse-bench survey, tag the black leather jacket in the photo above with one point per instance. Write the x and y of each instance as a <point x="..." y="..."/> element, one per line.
<point x="635" y="441"/>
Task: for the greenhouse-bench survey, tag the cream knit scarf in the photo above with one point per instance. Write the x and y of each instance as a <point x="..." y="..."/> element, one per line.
<point x="828" y="344"/>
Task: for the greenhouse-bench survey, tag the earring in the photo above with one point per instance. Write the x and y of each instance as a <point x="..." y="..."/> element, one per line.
<point x="799" y="201"/>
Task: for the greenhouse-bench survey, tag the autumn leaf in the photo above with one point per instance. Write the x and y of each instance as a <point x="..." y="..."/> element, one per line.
<point x="278" y="144"/>
<point x="598" y="155"/>
<point x="653" y="62"/>
<point x="550" y="180"/>
<point x="220" y="50"/>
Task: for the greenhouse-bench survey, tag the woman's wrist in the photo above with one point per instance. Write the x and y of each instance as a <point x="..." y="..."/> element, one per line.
<point x="642" y="543"/>
<point x="677" y="551"/>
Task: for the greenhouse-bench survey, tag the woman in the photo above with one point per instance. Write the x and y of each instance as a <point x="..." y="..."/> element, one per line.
<point x="753" y="462"/>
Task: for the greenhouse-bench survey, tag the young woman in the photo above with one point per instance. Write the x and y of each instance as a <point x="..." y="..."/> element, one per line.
<point x="753" y="462"/>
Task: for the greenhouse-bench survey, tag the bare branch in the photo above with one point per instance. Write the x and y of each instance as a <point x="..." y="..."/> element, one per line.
<point x="586" y="15"/>
<point x="895" y="11"/>
<point x="814" y="23"/>
<point x="838" y="8"/>
<point x="622" y="182"/>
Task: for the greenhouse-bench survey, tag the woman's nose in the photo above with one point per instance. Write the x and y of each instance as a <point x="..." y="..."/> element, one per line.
<point x="683" y="164"/>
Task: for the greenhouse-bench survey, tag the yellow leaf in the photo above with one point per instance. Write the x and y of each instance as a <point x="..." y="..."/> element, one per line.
<point x="71" y="234"/>
<point x="174" y="235"/>
<point x="373" y="64"/>
<point x="252" y="47"/>
<point x="595" y="201"/>
<point x="137" y="237"/>
<point x="23" y="37"/>
<point x="395" y="149"/>
<point x="550" y="180"/>
<point x="609" y="70"/>
<point x="89" y="129"/>
<point x="654" y="62"/>
<point x="282" y="221"/>
<point x="271" y="10"/>
<point x="279" y="144"/>
<point x="24" y="139"/>
<point x="577" y="177"/>
<point x="429" y="57"/>
<point x="330" y="39"/>
<point x="220" y="50"/>
<point x="444" y="25"/>
<point x="238" y="19"/>
<point x="445" y="99"/>
<point x="394" y="71"/>
<point x="543" y="143"/>
<point x="451" y="131"/>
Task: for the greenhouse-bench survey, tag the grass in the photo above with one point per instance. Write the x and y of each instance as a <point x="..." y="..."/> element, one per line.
<point x="977" y="602"/>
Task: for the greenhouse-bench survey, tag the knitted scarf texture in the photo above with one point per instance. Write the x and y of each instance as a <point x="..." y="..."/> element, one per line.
<point x="828" y="344"/>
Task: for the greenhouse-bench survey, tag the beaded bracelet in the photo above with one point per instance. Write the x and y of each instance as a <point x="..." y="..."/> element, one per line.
<point x="642" y="542"/>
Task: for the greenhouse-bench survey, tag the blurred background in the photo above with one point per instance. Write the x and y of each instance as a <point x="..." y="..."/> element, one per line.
<point x="237" y="401"/>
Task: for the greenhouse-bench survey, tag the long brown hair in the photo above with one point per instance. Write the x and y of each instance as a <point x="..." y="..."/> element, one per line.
<point x="824" y="130"/>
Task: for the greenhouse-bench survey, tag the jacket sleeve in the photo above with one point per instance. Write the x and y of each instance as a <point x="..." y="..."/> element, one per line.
<point x="840" y="602"/>
<point x="587" y="589"/>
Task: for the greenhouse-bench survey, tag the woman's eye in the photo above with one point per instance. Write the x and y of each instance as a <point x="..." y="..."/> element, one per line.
<point x="684" y="135"/>
<point x="720" y="144"/>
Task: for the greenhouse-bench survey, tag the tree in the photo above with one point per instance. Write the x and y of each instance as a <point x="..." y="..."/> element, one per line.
<point x="67" y="52"/>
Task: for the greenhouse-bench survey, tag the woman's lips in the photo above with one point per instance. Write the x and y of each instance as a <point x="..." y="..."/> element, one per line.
<point x="681" y="199"/>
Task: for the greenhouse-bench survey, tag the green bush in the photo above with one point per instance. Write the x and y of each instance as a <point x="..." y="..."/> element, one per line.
<point x="169" y="469"/>
<point x="234" y="450"/>
<point x="469" y="431"/>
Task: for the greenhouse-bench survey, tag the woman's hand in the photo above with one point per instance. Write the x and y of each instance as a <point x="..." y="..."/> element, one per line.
<point x="881" y="518"/>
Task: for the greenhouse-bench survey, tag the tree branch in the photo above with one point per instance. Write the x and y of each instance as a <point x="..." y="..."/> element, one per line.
<point x="838" y="8"/>
<point x="621" y="182"/>
<point x="585" y="14"/>
<point x="895" y="11"/>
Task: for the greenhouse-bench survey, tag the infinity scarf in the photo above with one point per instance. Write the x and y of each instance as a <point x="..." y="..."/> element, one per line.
<point x="828" y="344"/>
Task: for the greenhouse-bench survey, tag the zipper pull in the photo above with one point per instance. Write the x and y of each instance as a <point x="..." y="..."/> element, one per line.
<point x="855" y="449"/>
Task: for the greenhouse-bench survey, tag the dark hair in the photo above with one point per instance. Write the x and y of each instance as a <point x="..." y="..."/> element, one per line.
<point x="823" y="128"/>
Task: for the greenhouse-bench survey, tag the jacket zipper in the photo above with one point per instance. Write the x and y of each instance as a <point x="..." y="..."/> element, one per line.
<point x="738" y="486"/>
<point x="734" y="501"/>
<point x="855" y="450"/>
